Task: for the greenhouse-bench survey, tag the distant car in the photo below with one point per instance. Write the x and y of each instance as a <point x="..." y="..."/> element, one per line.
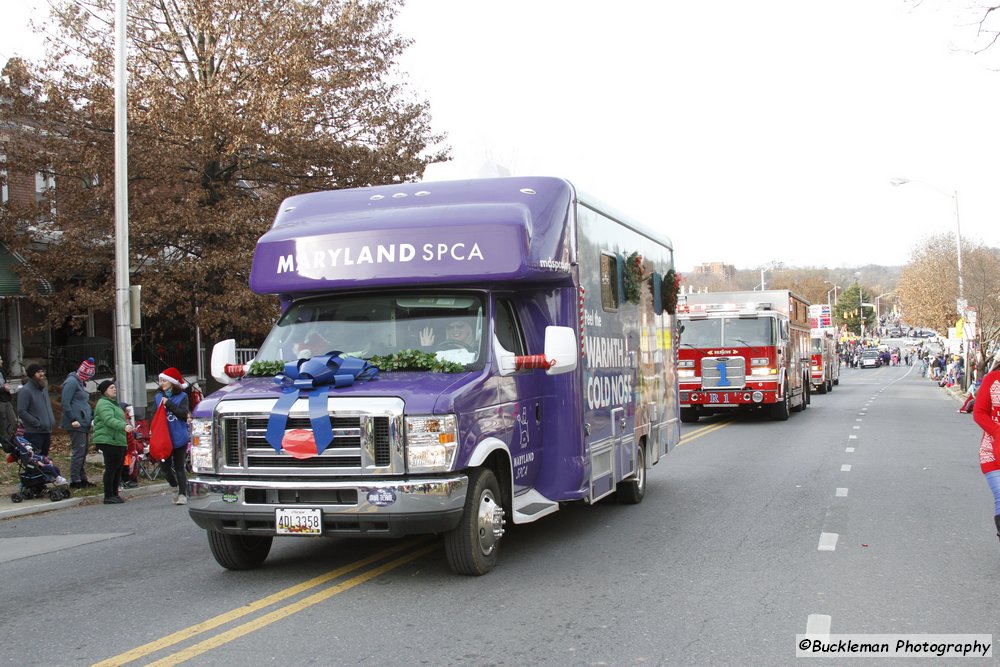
<point x="925" y="333"/>
<point x="871" y="359"/>
<point x="895" y="332"/>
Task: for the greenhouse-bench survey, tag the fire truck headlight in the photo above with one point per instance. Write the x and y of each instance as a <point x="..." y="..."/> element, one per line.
<point x="757" y="397"/>
<point x="431" y="443"/>
<point x="685" y="363"/>
<point x="758" y="361"/>
<point x="202" y="452"/>
<point x="685" y="373"/>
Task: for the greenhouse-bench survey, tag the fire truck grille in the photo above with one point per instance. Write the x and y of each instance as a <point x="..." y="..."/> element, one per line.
<point x="723" y="372"/>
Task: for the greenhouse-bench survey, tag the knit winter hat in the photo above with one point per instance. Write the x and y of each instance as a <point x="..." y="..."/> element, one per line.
<point x="103" y="387"/>
<point x="32" y="369"/>
<point x="86" y="369"/>
<point x="174" y="376"/>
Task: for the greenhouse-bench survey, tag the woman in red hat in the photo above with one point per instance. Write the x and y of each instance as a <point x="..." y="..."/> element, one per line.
<point x="986" y="412"/>
<point x="174" y="400"/>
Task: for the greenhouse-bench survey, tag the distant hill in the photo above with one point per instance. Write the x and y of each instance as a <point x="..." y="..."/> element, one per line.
<point x="812" y="283"/>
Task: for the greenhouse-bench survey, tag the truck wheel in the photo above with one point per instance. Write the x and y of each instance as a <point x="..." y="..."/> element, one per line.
<point x="779" y="411"/>
<point x="822" y="387"/>
<point x="689" y="415"/>
<point x="632" y="490"/>
<point x="472" y="545"/>
<point x="829" y="385"/>
<point x="238" y="552"/>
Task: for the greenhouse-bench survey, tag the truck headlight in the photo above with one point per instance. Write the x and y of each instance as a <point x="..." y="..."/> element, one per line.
<point x="202" y="451"/>
<point x="431" y="443"/>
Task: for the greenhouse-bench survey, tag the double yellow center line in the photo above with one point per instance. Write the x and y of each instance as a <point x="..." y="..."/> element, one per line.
<point x="276" y="615"/>
<point x="705" y="430"/>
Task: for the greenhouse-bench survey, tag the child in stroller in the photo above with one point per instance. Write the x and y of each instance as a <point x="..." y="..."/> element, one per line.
<point x="36" y="471"/>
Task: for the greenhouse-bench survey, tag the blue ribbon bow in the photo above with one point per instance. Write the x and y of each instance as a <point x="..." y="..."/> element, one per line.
<point x="314" y="376"/>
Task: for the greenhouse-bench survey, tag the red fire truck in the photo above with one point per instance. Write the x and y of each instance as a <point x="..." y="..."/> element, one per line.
<point x="748" y="350"/>
<point x="825" y="359"/>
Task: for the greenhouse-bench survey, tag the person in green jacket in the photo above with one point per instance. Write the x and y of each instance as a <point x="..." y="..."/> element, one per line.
<point x="110" y="427"/>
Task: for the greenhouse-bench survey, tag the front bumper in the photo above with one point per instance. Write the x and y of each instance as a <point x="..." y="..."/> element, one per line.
<point x="728" y="397"/>
<point x="370" y="508"/>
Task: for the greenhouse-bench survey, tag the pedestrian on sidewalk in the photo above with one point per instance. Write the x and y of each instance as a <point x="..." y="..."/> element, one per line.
<point x="174" y="401"/>
<point x="986" y="412"/>
<point x="76" y="419"/>
<point x="8" y="416"/>
<point x="110" y="436"/>
<point x="34" y="408"/>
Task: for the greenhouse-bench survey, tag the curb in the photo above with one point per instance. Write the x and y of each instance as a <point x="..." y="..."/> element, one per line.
<point x="46" y="505"/>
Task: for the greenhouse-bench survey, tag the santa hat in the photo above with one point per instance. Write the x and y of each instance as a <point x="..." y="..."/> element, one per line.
<point x="86" y="369"/>
<point x="174" y="376"/>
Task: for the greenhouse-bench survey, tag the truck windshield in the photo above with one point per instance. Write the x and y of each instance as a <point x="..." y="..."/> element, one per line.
<point x="817" y="345"/>
<point x="728" y="332"/>
<point x="448" y="325"/>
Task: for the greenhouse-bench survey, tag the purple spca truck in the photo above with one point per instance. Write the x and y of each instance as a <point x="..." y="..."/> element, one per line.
<point x="451" y="357"/>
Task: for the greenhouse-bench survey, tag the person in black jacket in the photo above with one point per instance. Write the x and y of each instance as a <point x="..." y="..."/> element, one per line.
<point x="8" y="416"/>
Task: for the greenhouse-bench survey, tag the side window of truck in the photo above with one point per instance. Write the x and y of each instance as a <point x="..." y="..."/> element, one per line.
<point x="609" y="282"/>
<point x="508" y="331"/>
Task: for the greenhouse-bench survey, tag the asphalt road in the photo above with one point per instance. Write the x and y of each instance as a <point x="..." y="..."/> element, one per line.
<point x="751" y="531"/>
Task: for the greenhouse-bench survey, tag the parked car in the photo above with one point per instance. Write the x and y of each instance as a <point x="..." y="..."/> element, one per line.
<point x="871" y="359"/>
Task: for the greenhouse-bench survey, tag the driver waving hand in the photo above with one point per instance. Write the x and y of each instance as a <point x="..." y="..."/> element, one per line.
<point x="459" y="331"/>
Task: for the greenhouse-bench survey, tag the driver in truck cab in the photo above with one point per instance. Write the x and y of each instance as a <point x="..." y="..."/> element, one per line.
<point x="456" y="330"/>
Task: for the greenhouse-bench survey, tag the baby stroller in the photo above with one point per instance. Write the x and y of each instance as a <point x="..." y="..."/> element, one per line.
<point x="36" y="472"/>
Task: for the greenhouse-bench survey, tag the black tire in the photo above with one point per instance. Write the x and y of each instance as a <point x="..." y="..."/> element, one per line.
<point x="27" y="494"/>
<point x="689" y="415"/>
<point x="780" y="411"/>
<point x="239" y="552"/>
<point x="472" y="546"/>
<point x="16" y="497"/>
<point x="829" y="386"/>
<point x="822" y="388"/>
<point x="631" y="491"/>
<point x="55" y="495"/>
<point x="66" y="493"/>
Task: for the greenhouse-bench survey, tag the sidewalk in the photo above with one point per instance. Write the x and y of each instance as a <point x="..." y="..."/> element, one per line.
<point x="10" y="509"/>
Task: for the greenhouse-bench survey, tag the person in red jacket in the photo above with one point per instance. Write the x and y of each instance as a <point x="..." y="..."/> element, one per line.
<point x="986" y="412"/>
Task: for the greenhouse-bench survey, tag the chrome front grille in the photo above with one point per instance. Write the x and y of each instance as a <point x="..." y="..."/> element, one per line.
<point x="363" y="443"/>
<point x="723" y="372"/>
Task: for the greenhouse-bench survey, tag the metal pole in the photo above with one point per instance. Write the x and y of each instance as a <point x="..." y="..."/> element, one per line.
<point x="958" y="240"/>
<point x="961" y="292"/>
<point x="763" y="286"/>
<point x="123" y="331"/>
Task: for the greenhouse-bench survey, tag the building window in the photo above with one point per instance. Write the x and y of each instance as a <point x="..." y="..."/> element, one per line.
<point x="609" y="282"/>
<point x="43" y="183"/>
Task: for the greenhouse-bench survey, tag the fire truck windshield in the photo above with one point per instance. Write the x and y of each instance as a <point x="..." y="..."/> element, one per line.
<point x="728" y="332"/>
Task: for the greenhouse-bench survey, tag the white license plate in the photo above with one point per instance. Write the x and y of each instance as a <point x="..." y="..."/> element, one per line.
<point x="298" y="521"/>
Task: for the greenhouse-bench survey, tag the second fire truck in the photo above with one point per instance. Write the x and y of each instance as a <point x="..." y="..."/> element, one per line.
<point x="748" y="350"/>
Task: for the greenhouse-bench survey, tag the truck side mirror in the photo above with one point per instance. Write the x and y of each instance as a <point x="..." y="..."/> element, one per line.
<point x="560" y="354"/>
<point x="223" y="354"/>
<point x="561" y="347"/>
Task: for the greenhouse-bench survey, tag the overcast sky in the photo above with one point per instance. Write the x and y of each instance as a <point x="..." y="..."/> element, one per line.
<point x="747" y="132"/>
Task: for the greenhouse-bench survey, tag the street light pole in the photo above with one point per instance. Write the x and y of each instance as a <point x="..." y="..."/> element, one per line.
<point x="958" y="241"/>
<point x="958" y="224"/>
<point x="834" y="290"/>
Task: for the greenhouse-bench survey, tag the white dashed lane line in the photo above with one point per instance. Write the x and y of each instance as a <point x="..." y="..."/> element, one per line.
<point x="827" y="542"/>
